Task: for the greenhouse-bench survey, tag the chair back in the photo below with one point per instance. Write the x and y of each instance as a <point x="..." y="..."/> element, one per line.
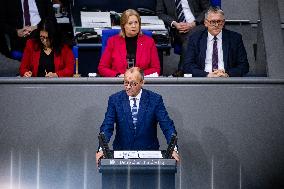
<point x="216" y="3"/>
<point x="75" y="50"/>
<point x="17" y="55"/>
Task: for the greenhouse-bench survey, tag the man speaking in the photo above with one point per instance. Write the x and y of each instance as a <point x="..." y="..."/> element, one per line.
<point x="136" y="112"/>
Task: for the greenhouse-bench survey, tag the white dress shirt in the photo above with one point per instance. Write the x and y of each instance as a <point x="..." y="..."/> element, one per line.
<point x="209" y="51"/>
<point x="187" y="12"/>
<point x="138" y="97"/>
<point x="34" y="14"/>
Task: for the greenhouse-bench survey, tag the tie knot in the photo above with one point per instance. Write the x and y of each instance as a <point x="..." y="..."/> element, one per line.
<point x="134" y="101"/>
<point x="215" y="38"/>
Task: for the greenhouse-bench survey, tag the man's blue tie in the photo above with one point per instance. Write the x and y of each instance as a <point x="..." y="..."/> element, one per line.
<point x="215" y="55"/>
<point x="134" y="112"/>
<point x="179" y="11"/>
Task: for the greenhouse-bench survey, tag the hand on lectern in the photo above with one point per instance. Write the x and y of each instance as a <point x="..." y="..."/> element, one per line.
<point x="99" y="155"/>
<point x="176" y="156"/>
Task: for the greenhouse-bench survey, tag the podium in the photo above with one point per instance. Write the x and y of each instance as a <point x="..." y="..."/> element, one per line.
<point x="138" y="173"/>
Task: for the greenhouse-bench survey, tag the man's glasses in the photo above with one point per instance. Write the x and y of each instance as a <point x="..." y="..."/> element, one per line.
<point x="131" y="83"/>
<point x="215" y="22"/>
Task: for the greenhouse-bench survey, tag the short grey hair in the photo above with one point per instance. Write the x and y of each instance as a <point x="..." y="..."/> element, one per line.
<point x="215" y="10"/>
<point x="136" y="69"/>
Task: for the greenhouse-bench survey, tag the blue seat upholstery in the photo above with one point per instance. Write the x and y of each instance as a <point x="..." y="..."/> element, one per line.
<point x="216" y="3"/>
<point x="111" y="32"/>
<point x="17" y="55"/>
<point x="75" y="50"/>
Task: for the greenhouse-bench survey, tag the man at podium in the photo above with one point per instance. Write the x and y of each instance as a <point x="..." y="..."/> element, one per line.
<point x="136" y="112"/>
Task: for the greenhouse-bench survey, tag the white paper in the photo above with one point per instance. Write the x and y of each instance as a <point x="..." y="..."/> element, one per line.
<point x="137" y="154"/>
<point x="152" y="75"/>
<point x="95" y="19"/>
<point x="152" y="23"/>
<point x="125" y="154"/>
<point x="150" y="154"/>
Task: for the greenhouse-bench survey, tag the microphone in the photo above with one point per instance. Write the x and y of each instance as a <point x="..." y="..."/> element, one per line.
<point x="171" y="146"/>
<point x="104" y="145"/>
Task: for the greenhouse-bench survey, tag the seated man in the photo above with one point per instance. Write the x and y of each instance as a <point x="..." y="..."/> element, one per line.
<point x="215" y="51"/>
<point x="136" y="112"/>
<point x="182" y="17"/>
<point x="19" y="19"/>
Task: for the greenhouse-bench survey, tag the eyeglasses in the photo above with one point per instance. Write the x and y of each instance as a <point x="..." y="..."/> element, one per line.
<point x="131" y="83"/>
<point x="43" y="37"/>
<point x="215" y="22"/>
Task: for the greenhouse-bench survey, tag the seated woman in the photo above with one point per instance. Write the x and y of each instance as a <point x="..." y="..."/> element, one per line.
<point x="46" y="55"/>
<point x="129" y="48"/>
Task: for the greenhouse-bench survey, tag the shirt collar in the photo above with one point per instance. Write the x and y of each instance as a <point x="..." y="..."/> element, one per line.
<point x="137" y="97"/>
<point x="211" y="37"/>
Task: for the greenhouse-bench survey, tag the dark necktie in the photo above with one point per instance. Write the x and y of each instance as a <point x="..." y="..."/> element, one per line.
<point x="27" y="16"/>
<point x="134" y="112"/>
<point x="179" y="11"/>
<point x="215" y="55"/>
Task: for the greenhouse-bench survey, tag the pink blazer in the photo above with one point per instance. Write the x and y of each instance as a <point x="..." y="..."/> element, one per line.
<point x="113" y="60"/>
<point x="64" y="63"/>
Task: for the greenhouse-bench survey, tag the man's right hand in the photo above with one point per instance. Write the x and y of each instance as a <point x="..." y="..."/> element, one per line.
<point x="218" y="73"/>
<point x="184" y="27"/>
<point x="99" y="155"/>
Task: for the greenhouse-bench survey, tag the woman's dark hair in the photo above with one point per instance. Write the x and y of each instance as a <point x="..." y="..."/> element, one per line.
<point x="54" y="35"/>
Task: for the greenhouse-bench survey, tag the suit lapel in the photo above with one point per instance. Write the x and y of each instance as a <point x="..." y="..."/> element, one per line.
<point x="36" y="61"/>
<point x="144" y="101"/>
<point x="190" y="4"/>
<point x="203" y="48"/>
<point x="126" y="110"/>
<point x="57" y="60"/>
<point x="173" y="5"/>
<point x="140" y="46"/>
<point x="122" y="49"/>
<point x="225" y="46"/>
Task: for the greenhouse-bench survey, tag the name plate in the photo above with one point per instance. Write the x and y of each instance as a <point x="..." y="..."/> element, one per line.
<point x="138" y="162"/>
<point x="137" y="154"/>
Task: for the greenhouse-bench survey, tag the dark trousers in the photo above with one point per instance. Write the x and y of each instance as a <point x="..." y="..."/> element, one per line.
<point x="4" y="46"/>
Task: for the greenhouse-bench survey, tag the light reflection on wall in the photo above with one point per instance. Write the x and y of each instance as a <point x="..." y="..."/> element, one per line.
<point x="8" y="185"/>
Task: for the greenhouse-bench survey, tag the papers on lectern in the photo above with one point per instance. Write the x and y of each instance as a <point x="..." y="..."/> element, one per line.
<point x="125" y="154"/>
<point x="150" y="154"/>
<point x="137" y="154"/>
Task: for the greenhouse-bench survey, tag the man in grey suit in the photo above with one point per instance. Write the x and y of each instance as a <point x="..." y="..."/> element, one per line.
<point x="182" y="17"/>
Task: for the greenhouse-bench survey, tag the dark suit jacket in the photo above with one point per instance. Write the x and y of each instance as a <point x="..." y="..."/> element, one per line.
<point x="12" y="14"/>
<point x="11" y="19"/>
<point x="234" y="54"/>
<point x="151" y="111"/>
<point x="166" y="10"/>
